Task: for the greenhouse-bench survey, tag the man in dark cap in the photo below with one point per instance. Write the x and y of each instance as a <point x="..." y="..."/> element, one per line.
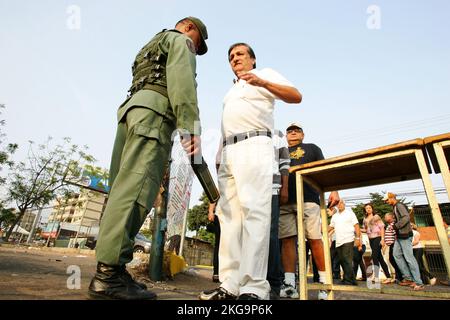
<point x="162" y="98"/>
<point x="301" y="153"/>
<point x="403" y="248"/>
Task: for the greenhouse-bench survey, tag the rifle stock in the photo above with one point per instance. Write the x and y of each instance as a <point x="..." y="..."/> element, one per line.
<point x="204" y="176"/>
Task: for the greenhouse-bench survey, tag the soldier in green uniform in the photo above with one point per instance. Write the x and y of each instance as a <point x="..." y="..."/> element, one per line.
<point x="162" y="98"/>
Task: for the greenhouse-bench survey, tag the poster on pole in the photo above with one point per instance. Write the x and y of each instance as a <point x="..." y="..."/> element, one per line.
<point x="181" y="177"/>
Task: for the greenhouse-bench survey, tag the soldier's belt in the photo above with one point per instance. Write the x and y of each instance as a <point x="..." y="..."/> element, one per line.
<point x="245" y="135"/>
<point x="148" y="86"/>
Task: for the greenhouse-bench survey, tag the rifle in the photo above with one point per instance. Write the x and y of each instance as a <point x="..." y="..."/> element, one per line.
<point x="204" y="176"/>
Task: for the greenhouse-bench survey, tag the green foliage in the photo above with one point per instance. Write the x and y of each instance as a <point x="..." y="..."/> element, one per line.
<point x="5" y="151"/>
<point x="381" y="208"/>
<point x="205" y="235"/>
<point x="198" y="219"/>
<point x="198" y="215"/>
<point x="48" y="172"/>
<point x="7" y="215"/>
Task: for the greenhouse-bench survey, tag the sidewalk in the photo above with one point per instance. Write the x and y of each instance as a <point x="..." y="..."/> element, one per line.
<point x="47" y="274"/>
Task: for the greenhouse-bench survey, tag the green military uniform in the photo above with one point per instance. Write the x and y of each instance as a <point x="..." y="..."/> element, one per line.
<point x="162" y="98"/>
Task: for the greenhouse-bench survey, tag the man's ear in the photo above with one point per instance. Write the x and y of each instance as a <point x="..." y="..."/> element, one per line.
<point x="189" y="26"/>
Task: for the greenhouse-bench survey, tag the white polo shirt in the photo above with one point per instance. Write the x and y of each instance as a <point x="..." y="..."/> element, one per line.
<point x="344" y="226"/>
<point x="247" y="107"/>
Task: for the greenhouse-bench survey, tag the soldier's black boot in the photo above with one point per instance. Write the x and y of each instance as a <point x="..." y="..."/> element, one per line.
<point x="127" y="275"/>
<point x="114" y="282"/>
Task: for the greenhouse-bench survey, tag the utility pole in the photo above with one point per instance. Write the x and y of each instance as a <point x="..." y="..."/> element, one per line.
<point x="159" y="230"/>
<point x="183" y="231"/>
<point x="81" y="223"/>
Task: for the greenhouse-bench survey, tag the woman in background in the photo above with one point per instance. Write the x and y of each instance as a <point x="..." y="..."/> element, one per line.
<point x="374" y="227"/>
<point x="214" y="219"/>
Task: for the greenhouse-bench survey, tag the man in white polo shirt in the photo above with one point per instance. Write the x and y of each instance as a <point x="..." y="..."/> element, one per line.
<point x="245" y="176"/>
<point x="345" y="225"/>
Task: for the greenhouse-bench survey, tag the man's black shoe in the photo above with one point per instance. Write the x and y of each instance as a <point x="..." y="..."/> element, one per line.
<point x="248" y="296"/>
<point x="114" y="282"/>
<point x="216" y="294"/>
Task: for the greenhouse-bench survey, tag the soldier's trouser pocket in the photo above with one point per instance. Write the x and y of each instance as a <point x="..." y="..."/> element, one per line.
<point x="146" y="151"/>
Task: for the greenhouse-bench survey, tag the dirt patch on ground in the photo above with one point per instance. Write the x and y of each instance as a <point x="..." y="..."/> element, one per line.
<point x="30" y="273"/>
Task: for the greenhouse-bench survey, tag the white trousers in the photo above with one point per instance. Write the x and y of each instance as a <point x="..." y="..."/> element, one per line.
<point x="244" y="210"/>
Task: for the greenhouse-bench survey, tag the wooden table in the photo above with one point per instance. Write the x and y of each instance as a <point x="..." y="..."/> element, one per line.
<point x="438" y="148"/>
<point x="393" y="163"/>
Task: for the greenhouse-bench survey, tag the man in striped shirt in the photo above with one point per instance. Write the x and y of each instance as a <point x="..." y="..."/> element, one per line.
<point x="279" y="197"/>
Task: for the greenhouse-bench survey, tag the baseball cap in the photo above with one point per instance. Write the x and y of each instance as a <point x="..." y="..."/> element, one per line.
<point x="294" y="125"/>
<point x="389" y="195"/>
<point x="203" y="34"/>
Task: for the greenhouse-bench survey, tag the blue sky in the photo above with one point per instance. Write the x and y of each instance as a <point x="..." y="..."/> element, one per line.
<point x="362" y="88"/>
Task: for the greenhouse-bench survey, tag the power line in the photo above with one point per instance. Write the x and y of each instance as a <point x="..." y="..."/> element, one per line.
<point x="392" y="129"/>
<point x="406" y="193"/>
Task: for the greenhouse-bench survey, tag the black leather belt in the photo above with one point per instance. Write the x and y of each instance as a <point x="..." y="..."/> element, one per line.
<point x="245" y="135"/>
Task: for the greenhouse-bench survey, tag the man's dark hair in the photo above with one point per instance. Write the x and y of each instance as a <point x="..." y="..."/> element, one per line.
<point x="249" y="50"/>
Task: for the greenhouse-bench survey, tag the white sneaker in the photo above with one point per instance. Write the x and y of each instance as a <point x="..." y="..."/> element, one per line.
<point x="323" y="295"/>
<point x="288" y="291"/>
<point x="433" y="281"/>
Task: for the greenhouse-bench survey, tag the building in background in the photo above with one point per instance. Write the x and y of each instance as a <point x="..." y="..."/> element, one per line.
<point x="433" y="257"/>
<point x="90" y="208"/>
<point x="76" y="219"/>
<point x="147" y="225"/>
<point x="63" y="209"/>
<point x="27" y="220"/>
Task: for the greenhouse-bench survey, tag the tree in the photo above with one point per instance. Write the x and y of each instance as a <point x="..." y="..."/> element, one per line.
<point x="7" y="216"/>
<point x="379" y="206"/>
<point x="205" y="235"/>
<point x="49" y="171"/>
<point x="198" y="219"/>
<point x="5" y="151"/>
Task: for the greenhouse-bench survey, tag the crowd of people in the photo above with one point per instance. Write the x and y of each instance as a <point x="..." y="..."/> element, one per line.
<point x="347" y="252"/>
<point x="383" y="239"/>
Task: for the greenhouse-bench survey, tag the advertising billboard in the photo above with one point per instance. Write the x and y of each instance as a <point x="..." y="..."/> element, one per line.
<point x="51" y="230"/>
<point x="90" y="180"/>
